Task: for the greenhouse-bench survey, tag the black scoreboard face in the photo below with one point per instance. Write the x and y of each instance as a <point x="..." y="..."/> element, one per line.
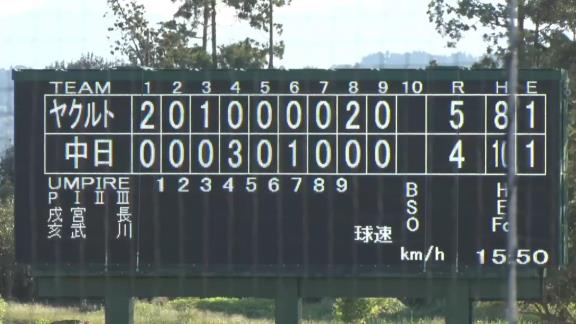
<point x="285" y="172"/>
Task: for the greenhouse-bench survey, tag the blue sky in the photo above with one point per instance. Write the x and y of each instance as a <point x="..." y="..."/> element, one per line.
<point x="317" y="33"/>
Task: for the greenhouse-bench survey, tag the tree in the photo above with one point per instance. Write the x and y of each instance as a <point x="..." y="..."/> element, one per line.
<point x="14" y="279"/>
<point x="213" y="16"/>
<point x="7" y="174"/>
<point x="175" y="50"/>
<point x="246" y="54"/>
<point x="86" y="61"/>
<point x="207" y="8"/>
<point x="260" y="15"/>
<point x="138" y="40"/>
<point x="190" y="10"/>
<point x="206" y="14"/>
<point x="7" y="257"/>
<point x="547" y="38"/>
<point x="540" y="22"/>
<point x="168" y="45"/>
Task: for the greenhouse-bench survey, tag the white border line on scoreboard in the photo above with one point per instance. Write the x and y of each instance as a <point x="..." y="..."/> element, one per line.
<point x="45" y="131"/>
<point x="292" y="94"/>
<point x="485" y="135"/>
<point x="545" y="134"/>
<point x="132" y="134"/>
<point x="287" y="134"/>
<point x="395" y="134"/>
<point x="425" y="136"/>
<point x="281" y="174"/>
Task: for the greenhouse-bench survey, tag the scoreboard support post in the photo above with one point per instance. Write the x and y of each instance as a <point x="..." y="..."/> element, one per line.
<point x="458" y="303"/>
<point x="288" y="302"/>
<point x="118" y="292"/>
<point x="119" y="303"/>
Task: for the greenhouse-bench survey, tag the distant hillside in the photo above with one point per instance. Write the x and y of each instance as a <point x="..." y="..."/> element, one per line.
<point x="413" y="60"/>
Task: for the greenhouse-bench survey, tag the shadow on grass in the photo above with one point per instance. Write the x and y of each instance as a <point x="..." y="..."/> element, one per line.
<point x="431" y="311"/>
<point x="256" y="308"/>
<point x="320" y="310"/>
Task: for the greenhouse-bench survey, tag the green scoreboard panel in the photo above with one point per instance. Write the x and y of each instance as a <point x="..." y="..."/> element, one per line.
<point x="286" y="172"/>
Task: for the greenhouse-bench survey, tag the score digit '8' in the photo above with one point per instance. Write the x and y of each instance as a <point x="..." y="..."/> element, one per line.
<point x="253" y="184"/>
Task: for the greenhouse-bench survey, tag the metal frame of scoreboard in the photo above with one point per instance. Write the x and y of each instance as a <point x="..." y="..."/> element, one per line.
<point x="458" y="287"/>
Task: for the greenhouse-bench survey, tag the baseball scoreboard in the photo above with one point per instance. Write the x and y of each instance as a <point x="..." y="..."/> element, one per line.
<point x="297" y="171"/>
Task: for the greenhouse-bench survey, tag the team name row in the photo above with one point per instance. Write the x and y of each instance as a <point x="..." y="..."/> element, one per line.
<point x="321" y="114"/>
<point x="295" y="154"/>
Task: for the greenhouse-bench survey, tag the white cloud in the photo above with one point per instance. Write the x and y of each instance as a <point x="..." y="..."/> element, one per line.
<point x="20" y="7"/>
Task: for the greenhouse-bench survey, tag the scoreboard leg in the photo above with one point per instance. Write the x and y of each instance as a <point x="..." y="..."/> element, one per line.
<point x="458" y="303"/>
<point x="288" y="303"/>
<point x="119" y="305"/>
